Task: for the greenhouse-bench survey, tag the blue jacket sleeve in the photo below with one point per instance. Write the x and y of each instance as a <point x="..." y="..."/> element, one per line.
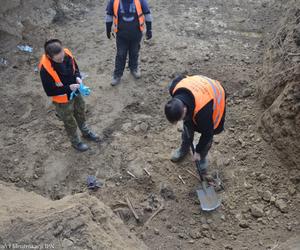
<point x="110" y="8"/>
<point x="145" y="7"/>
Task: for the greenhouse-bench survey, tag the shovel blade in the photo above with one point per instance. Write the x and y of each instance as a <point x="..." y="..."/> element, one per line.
<point x="209" y="199"/>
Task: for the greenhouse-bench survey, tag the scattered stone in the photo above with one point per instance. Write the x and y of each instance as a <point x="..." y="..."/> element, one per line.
<point x="247" y="92"/>
<point x="291" y="188"/>
<point x="205" y="227"/>
<point x="167" y="192"/>
<point x="144" y="127"/>
<point x="281" y="205"/>
<point x="58" y="231"/>
<point x="216" y="140"/>
<point x="267" y="195"/>
<point x="209" y="221"/>
<point x="272" y="200"/>
<point x="263" y="164"/>
<point x="126" y="127"/>
<point x="257" y="211"/>
<point x="156" y="231"/>
<point x="195" y="234"/>
<point x="244" y="224"/>
<point x="243" y="144"/>
<point x="148" y="208"/>
<point x="66" y="243"/>
<point x="261" y="177"/>
<point x="181" y="46"/>
<point x="227" y="162"/>
<point x="206" y="242"/>
<point x="206" y="58"/>
<point x="174" y="230"/>
<point x="191" y="241"/>
<point x="182" y="236"/>
<point x="248" y="185"/>
<point x="192" y="222"/>
<point x="143" y="236"/>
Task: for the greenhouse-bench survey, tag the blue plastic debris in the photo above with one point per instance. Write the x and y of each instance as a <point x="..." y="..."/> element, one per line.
<point x="25" y="48"/>
<point x="3" y="62"/>
<point x="93" y="183"/>
<point x="83" y="90"/>
<point x="84" y="75"/>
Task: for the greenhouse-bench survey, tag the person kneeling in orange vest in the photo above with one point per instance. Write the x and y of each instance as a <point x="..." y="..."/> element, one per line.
<point x="60" y="77"/>
<point x="200" y="102"/>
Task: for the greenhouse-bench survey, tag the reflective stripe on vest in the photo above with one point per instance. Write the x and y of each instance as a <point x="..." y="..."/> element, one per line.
<point x="46" y="63"/>
<point x="139" y="12"/>
<point x="204" y="90"/>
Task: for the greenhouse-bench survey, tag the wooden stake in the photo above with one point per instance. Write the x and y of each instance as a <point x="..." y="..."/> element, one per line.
<point x="191" y="173"/>
<point x="147" y="172"/>
<point x="132" y="209"/>
<point x="131" y="174"/>
<point x="180" y="177"/>
<point x="161" y="208"/>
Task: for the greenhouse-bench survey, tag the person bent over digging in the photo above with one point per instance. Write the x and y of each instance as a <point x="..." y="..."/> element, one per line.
<point x="60" y="77"/>
<point x="200" y="102"/>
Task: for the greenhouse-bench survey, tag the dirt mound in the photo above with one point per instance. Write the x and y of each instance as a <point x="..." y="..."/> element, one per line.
<point x="220" y="39"/>
<point x="280" y="87"/>
<point x="22" y="18"/>
<point x="291" y="244"/>
<point x="75" y="222"/>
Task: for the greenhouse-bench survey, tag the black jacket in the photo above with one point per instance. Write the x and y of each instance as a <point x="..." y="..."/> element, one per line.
<point x="66" y="75"/>
<point x="204" y="118"/>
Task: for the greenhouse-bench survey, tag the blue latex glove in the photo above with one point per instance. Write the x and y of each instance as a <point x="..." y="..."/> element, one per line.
<point x="93" y="183"/>
<point x="83" y="90"/>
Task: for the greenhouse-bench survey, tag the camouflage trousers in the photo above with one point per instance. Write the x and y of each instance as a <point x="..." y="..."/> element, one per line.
<point x="73" y="115"/>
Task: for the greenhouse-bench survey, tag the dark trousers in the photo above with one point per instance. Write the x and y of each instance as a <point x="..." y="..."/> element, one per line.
<point x="185" y="144"/>
<point x="73" y="115"/>
<point x="127" y="45"/>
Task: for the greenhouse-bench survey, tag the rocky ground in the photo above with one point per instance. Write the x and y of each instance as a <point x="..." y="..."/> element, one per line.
<point x="224" y="40"/>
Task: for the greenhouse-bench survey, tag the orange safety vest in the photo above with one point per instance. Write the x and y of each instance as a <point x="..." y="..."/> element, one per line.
<point x="139" y="11"/>
<point x="204" y="90"/>
<point x="46" y="63"/>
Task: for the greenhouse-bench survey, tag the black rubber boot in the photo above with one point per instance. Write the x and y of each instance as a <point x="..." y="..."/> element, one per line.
<point x="179" y="154"/>
<point x="80" y="147"/>
<point x="92" y="136"/>
<point x="115" y="81"/>
<point x="136" y="73"/>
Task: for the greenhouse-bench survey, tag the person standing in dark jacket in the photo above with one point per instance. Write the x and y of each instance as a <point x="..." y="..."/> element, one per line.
<point x="200" y="102"/>
<point x="129" y="18"/>
<point x="60" y="77"/>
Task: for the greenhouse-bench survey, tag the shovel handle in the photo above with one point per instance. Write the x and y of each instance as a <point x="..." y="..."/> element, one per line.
<point x="186" y="131"/>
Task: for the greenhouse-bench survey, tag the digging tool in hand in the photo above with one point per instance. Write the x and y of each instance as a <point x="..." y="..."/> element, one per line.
<point x="207" y="195"/>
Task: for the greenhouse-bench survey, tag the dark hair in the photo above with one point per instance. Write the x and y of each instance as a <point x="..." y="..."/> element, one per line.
<point x="178" y="78"/>
<point x="53" y="47"/>
<point x="174" y="110"/>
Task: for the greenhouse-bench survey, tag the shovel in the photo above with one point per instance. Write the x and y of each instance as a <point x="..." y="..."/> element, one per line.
<point x="207" y="195"/>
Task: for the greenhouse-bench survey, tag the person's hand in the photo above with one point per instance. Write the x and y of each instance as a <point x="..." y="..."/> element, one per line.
<point x="108" y="29"/>
<point x="74" y="87"/>
<point x="78" y="80"/>
<point x="148" y="34"/>
<point x="196" y="157"/>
